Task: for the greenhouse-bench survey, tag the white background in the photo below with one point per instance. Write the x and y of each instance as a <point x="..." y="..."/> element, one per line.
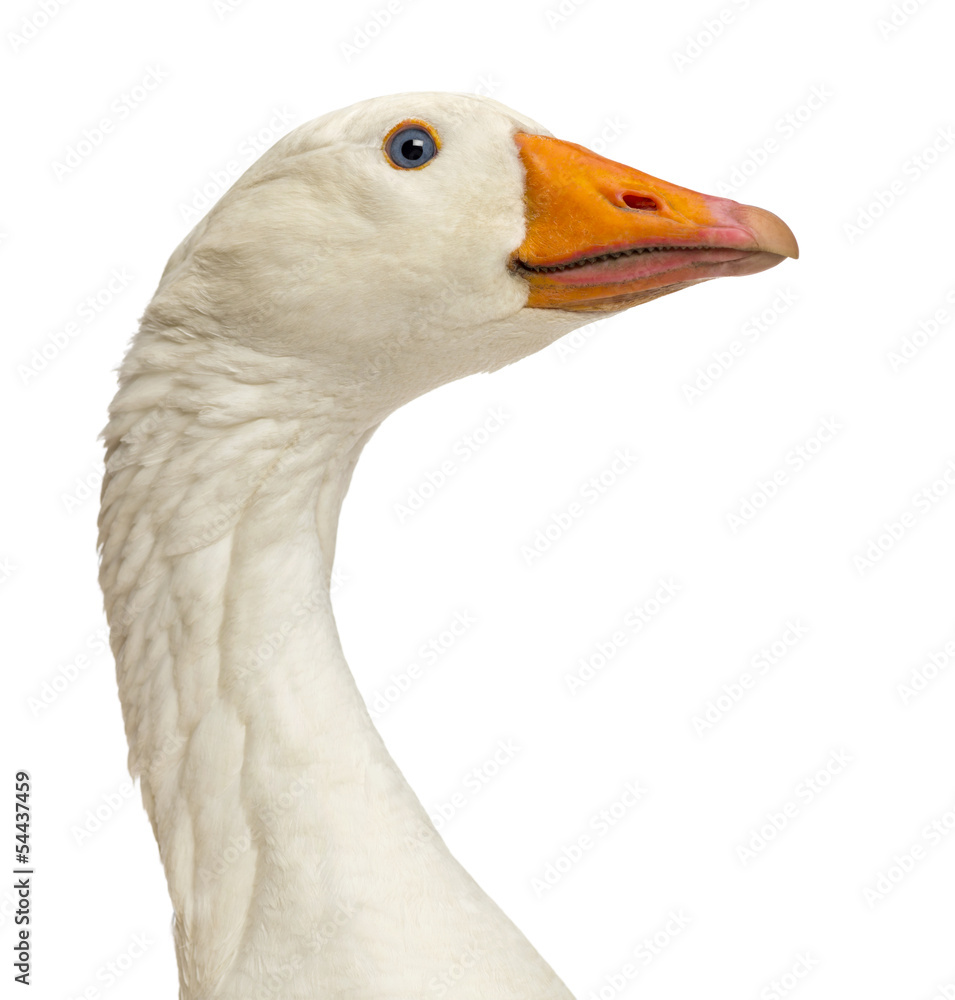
<point x="605" y="74"/>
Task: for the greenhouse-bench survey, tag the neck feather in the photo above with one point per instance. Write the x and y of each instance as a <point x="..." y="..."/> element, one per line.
<point x="299" y="861"/>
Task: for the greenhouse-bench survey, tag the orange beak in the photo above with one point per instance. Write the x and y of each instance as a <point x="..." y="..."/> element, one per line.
<point x="602" y="236"/>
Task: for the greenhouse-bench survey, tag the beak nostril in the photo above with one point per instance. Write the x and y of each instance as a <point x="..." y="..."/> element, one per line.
<point x="640" y="201"/>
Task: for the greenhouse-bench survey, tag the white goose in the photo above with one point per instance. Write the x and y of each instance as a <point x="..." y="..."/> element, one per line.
<point x="371" y="255"/>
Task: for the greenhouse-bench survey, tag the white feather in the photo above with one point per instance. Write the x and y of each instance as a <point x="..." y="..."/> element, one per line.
<point x="322" y="292"/>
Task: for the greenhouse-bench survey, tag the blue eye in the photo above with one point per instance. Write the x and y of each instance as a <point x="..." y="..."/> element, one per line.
<point x="411" y="147"/>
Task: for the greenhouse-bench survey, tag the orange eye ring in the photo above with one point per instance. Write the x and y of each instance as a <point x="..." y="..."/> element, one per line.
<point x="410" y="141"/>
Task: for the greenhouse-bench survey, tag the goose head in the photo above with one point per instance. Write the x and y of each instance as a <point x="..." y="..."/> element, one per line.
<point x="369" y="256"/>
<point x="410" y="240"/>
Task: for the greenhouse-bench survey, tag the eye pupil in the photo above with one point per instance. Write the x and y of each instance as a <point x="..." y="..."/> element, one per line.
<point x="411" y="147"/>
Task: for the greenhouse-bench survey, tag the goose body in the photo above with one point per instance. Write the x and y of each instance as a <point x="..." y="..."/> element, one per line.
<point x="338" y="279"/>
